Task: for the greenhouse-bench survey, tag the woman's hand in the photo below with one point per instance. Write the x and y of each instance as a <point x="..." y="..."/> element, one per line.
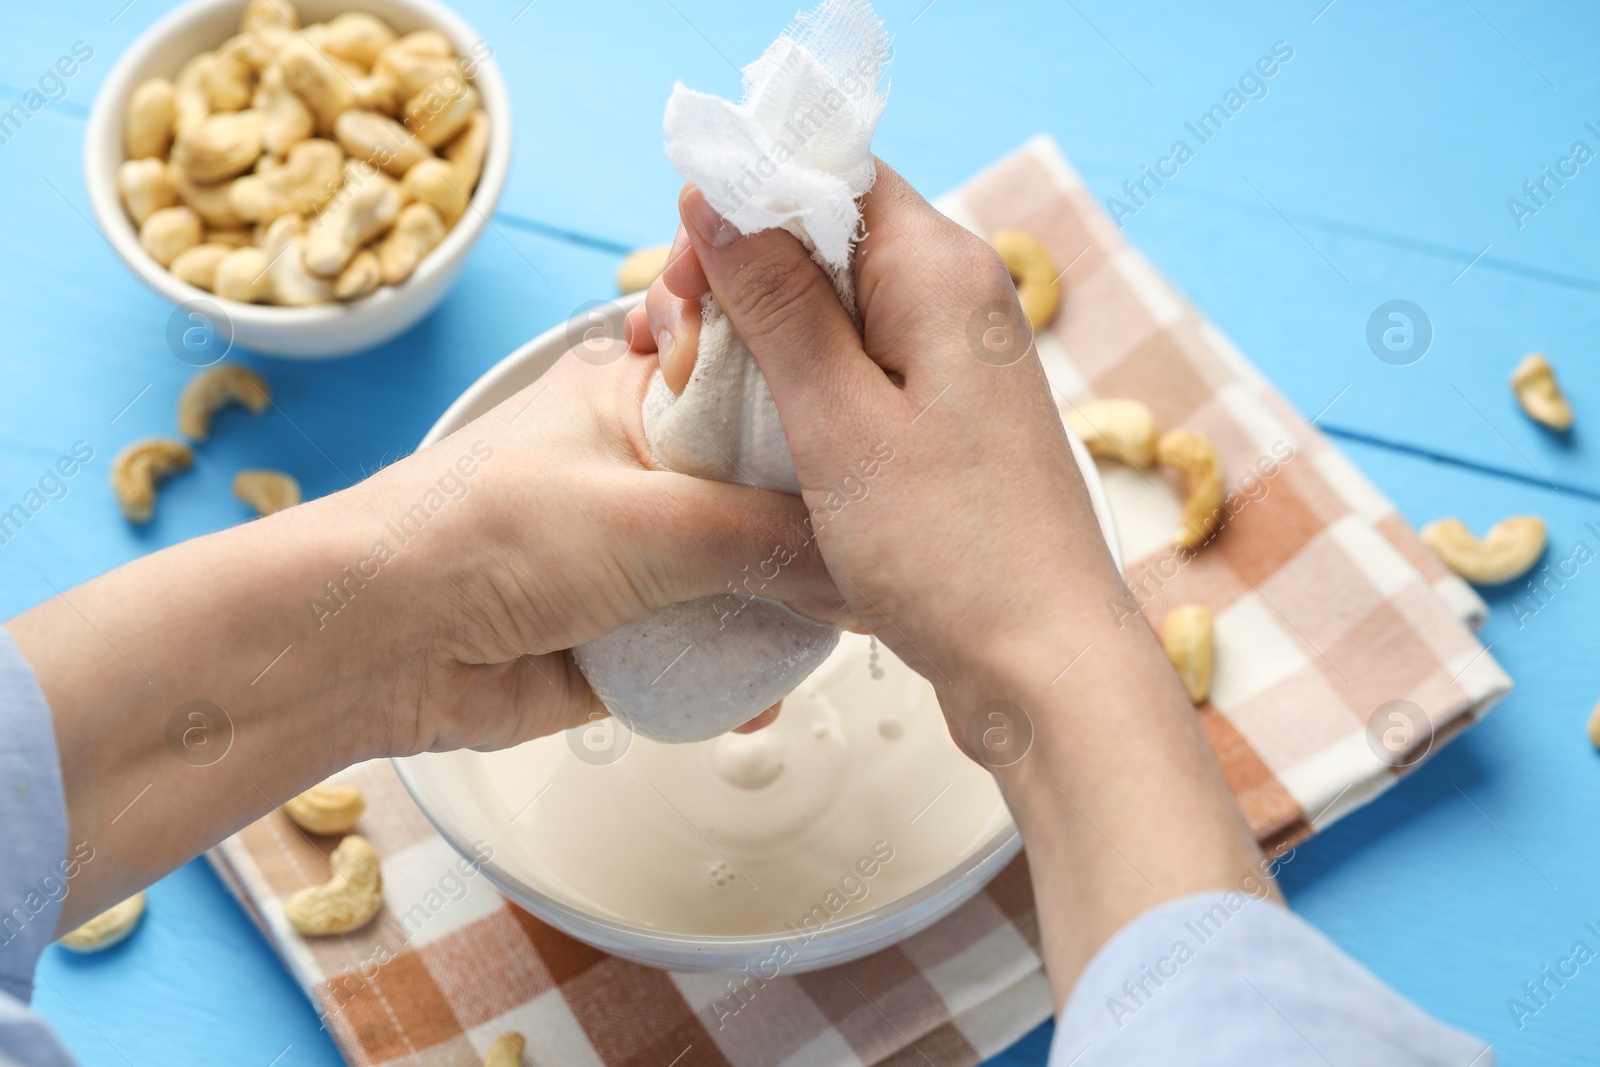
<point x="429" y="607"/>
<point x="938" y="477"/>
<point x="947" y="504"/>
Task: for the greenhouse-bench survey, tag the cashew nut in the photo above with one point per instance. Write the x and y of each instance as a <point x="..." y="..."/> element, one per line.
<point x="110" y="927"/>
<point x="289" y="120"/>
<point x="366" y="208"/>
<point x="1034" y="274"/>
<point x="374" y="138"/>
<point x="506" y="1051"/>
<point x="239" y="238"/>
<point x="441" y="109"/>
<point x="362" y="276"/>
<point x="219" y="147"/>
<point x="152" y="113"/>
<point x="358" y="37"/>
<point x="242" y="276"/>
<point x="468" y="150"/>
<point x="269" y="16"/>
<point x="213" y="203"/>
<point x="1196" y="463"/>
<point x="314" y="78"/>
<point x="229" y="79"/>
<point x="191" y="102"/>
<point x="435" y="182"/>
<point x="416" y="232"/>
<point x="270" y="492"/>
<point x="1510" y="550"/>
<point x="301" y="185"/>
<point x="146" y="186"/>
<point x="292" y="284"/>
<point x="212" y="389"/>
<point x="1117" y="429"/>
<point x="198" y="265"/>
<point x="348" y="900"/>
<point x="140" y="467"/>
<point x="415" y="61"/>
<point x="326" y="809"/>
<point x="1534" y="382"/>
<point x="169" y="231"/>
<point x="1187" y="634"/>
<point x="641" y="267"/>
<point x="1594" y="727"/>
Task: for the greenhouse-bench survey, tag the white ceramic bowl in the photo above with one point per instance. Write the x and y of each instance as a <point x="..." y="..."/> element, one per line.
<point x="448" y="789"/>
<point x="310" y="332"/>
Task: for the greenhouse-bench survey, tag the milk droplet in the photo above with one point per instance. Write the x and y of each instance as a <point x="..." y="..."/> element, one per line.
<point x="748" y="761"/>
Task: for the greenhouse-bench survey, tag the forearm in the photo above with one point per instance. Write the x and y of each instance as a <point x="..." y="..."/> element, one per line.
<point x="1120" y="800"/>
<point x="194" y="689"/>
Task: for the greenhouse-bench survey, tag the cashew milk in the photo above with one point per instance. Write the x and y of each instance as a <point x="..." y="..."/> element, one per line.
<point x="855" y="797"/>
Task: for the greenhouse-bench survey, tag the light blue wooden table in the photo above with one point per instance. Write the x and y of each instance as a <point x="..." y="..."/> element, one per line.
<point x="1377" y="166"/>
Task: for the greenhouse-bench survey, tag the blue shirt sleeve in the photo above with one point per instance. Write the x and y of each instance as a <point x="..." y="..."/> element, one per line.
<point x="35" y="870"/>
<point x="1224" y="978"/>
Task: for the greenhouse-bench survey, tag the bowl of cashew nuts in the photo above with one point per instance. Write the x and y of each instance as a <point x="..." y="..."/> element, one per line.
<point x="316" y="171"/>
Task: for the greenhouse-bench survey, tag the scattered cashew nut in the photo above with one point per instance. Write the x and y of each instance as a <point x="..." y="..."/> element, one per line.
<point x="110" y="927"/>
<point x="1510" y="550"/>
<point x="641" y="268"/>
<point x="140" y="467"/>
<point x="1195" y="460"/>
<point x="348" y="900"/>
<point x="152" y="114"/>
<point x="1534" y="382"/>
<point x="1033" y="272"/>
<point x="1117" y="429"/>
<point x="146" y="186"/>
<point x="326" y="809"/>
<point x="415" y="233"/>
<point x="1187" y="634"/>
<point x="213" y="389"/>
<point x="169" y="231"/>
<point x="506" y="1051"/>
<point x="269" y="492"/>
<point x="1594" y="727"/>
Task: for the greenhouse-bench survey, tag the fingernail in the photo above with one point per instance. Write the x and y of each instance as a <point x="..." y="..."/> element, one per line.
<point x="711" y="227"/>
<point x="677" y="363"/>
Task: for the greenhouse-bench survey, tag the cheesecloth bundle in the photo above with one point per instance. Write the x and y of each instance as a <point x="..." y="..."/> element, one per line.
<point x="795" y="153"/>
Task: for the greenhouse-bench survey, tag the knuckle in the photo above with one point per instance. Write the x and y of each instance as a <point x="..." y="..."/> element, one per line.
<point x="772" y="288"/>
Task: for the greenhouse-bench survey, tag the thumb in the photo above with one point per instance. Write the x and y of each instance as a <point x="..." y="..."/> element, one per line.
<point x="788" y="315"/>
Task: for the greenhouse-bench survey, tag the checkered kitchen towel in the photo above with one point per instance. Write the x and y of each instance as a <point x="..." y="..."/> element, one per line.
<point x="1326" y="606"/>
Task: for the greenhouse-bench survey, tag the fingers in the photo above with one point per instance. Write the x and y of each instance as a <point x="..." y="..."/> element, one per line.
<point x="713" y="537"/>
<point x="766" y="718"/>
<point x="786" y="311"/>
<point x="683" y="274"/>
<point x="675" y="324"/>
